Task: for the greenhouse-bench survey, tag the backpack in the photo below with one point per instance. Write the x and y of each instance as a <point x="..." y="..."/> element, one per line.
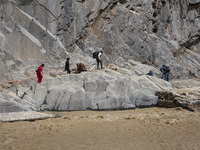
<point x="168" y="69"/>
<point x="36" y="69"/>
<point x="95" y="54"/>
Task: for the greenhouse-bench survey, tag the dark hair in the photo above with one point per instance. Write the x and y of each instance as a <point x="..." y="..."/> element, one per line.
<point x="42" y="65"/>
<point x="68" y="58"/>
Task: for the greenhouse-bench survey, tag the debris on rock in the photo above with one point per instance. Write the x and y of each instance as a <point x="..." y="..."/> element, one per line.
<point x="80" y="67"/>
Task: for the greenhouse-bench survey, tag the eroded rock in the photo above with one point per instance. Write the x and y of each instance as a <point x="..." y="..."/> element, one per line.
<point x="100" y="90"/>
<point x="185" y="98"/>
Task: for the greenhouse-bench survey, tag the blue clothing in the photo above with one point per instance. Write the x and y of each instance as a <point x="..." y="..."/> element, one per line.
<point x="163" y="70"/>
<point x="167" y="76"/>
<point x="150" y="73"/>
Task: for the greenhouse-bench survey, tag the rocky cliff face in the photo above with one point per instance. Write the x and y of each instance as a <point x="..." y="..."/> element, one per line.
<point x="136" y="35"/>
<point x="154" y="32"/>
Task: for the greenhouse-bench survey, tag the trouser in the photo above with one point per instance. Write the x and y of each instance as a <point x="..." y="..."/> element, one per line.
<point x="39" y="78"/>
<point x="167" y="77"/>
<point x="68" y="70"/>
<point x="163" y="75"/>
<point x="99" y="61"/>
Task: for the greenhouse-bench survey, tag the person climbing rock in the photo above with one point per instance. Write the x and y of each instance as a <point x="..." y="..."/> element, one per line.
<point x="99" y="59"/>
<point x="167" y="73"/>
<point x="67" y="66"/>
<point x="39" y="73"/>
<point x="163" y="70"/>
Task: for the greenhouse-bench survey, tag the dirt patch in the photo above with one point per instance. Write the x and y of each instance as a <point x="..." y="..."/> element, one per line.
<point x="154" y="128"/>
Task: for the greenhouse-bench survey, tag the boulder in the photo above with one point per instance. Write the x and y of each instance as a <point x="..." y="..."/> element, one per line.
<point x="11" y="104"/>
<point x="65" y="97"/>
<point x="100" y="90"/>
<point x="185" y="98"/>
<point x="14" y="109"/>
<point x="144" y="100"/>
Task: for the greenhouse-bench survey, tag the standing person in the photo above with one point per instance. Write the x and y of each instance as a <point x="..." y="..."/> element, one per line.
<point x="163" y="70"/>
<point x="167" y="73"/>
<point x="67" y="64"/>
<point x="39" y="73"/>
<point x="99" y="59"/>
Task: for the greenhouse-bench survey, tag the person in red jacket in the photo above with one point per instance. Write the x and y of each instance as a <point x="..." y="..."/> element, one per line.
<point x="39" y="73"/>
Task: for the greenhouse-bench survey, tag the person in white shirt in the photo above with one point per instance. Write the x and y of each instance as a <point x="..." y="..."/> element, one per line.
<point x="99" y="59"/>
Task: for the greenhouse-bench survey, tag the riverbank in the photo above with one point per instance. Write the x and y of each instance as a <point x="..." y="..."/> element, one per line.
<point x="150" y="128"/>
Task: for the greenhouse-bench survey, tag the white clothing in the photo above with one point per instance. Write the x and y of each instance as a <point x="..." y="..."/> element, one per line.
<point x="99" y="56"/>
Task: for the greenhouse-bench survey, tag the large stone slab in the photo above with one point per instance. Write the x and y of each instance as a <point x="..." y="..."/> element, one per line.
<point x="9" y="103"/>
<point x="100" y="90"/>
<point x="11" y="106"/>
<point x="23" y="116"/>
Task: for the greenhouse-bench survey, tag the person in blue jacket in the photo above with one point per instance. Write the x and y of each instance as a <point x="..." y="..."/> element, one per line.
<point x="163" y="70"/>
<point x="150" y="73"/>
<point x="167" y="73"/>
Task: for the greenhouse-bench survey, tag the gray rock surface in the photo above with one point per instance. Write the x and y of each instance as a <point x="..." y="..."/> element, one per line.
<point x="100" y="90"/>
<point x="11" y="106"/>
<point x="9" y="103"/>
<point x="136" y="36"/>
<point x="23" y="116"/>
<point x="152" y="32"/>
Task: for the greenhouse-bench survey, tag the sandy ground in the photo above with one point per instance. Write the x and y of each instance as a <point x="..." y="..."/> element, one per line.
<point x="140" y="129"/>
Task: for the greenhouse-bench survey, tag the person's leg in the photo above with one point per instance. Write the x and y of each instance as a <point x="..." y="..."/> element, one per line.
<point x="97" y="64"/>
<point x="101" y="65"/>
<point x="165" y="76"/>
<point x="168" y="77"/>
<point x="68" y="71"/>
<point x="39" y="79"/>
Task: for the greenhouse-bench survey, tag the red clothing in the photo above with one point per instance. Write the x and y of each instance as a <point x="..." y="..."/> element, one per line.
<point x="39" y="74"/>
